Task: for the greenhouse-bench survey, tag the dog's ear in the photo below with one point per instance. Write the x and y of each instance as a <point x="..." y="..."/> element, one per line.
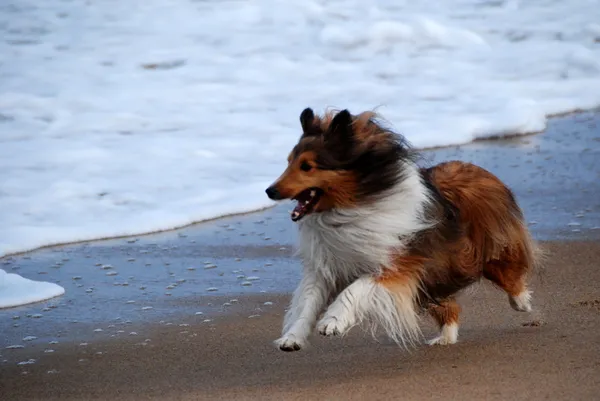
<point x="340" y="137"/>
<point x="306" y="119"/>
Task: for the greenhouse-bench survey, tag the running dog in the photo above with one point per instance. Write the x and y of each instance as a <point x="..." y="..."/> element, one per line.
<point x="382" y="239"/>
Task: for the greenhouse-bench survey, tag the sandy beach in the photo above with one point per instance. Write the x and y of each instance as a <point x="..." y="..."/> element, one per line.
<point x="191" y="314"/>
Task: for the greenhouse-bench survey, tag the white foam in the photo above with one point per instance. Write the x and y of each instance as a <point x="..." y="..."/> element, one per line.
<point x="92" y="144"/>
<point x="16" y="290"/>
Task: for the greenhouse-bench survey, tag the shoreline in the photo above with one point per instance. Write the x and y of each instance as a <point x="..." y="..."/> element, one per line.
<point x="128" y="236"/>
<point x="498" y="138"/>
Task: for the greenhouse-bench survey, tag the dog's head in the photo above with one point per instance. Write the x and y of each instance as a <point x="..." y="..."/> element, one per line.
<point x="340" y="161"/>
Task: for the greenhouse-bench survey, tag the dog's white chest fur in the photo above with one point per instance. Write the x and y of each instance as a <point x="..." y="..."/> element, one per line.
<point x="342" y="252"/>
<point x="341" y="245"/>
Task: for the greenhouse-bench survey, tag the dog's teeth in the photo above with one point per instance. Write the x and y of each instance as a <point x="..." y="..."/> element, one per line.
<point x="295" y="214"/>
<point x="306" y="202"/>
<point x="313" y="193"/>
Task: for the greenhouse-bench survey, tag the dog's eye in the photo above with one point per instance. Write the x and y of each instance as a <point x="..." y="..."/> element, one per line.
<point x="305" y="166"/>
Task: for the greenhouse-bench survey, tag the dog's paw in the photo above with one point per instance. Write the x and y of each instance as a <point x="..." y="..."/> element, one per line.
<point x="521" y="302"/>
<point x="441" y="340"/>
<point x="449" y="335"/>
<point x="290" y="343"/>
<point x="332" y="326"/>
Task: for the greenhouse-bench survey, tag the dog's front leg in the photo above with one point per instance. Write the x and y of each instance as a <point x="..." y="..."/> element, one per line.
<point x="390" y="304"/>
<point x="308" y="302"/>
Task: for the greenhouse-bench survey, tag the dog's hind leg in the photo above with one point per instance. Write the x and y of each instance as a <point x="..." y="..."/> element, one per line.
<point x="446" y="315"/>
<point x="510" y="275"/>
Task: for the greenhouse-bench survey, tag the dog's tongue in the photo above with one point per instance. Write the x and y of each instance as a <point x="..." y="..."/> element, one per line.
<point x="299" y="211"/>
<point x="306" y="201"/>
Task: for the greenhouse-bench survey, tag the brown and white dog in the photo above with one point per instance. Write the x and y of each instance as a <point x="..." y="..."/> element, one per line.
<point x="382" y="239"/>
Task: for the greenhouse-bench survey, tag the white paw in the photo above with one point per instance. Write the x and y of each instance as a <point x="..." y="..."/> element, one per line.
<point x="449" y="335"/>
<point x="521" y="302"/>
<point x="332" y="326"/>
<point x="441" y="340"/>
<point x="289" y="343"/>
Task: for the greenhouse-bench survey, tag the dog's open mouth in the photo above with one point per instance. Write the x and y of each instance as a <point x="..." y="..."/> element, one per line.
<point x="307" y="200"/>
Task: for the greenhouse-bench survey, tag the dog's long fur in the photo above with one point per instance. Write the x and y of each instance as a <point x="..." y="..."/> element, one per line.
<point x="388" y="239"/>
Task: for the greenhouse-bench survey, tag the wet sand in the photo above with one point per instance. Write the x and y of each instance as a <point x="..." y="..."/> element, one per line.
<point x="191" y="314"/>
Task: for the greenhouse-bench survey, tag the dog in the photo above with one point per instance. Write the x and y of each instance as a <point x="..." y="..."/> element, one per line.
<point x="383" y="240"/>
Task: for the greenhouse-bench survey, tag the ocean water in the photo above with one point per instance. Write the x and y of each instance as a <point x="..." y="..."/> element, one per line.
<point x="122" y="117"/>
<point x="16" y="290"/>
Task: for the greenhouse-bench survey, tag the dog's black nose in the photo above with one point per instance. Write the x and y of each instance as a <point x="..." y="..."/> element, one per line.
<point x="273" y="193"/>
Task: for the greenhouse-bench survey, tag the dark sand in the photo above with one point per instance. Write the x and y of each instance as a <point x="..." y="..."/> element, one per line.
<point x="170" y="352"/>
